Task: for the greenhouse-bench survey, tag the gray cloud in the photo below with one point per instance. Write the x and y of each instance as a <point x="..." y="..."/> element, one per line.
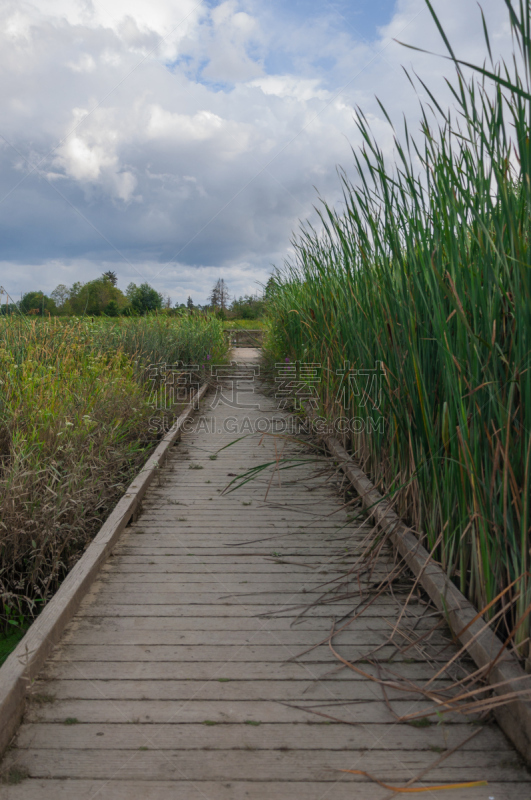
<point x="185" y="159"/>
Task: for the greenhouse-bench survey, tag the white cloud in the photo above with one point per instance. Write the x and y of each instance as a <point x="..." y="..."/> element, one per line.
<point x="302" y="89"/>
<point x="186" y="132"/>
<point x="85" y="63"/>
<point x="232" y="138"/>
<point x="83" y="162"/>
<point x="134" y="21"/>
<point x="231" y="32"/>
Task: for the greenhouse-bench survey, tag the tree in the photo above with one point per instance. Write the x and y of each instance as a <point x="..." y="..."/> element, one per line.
<point x="37" y="303"/>
<point x="111" y="276"/>
<point x="60" y="295"/>
<point x="75" y="289"/>
<point x="131" y="289"/>
<point x="112" y="309"/>
<point x="248" y="307"/>
<point x="190" y="303"/>
<point x="270" y="289"/>
<point x="214" y="296"/>
<point x="219" y="297"/>
<point x="94" y="297"/>
<point x="166" y="300"/>
<point x="144" y="298"/>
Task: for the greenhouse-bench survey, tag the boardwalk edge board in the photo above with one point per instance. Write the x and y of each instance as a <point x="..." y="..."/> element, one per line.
<point x="514" y="717"/>
<point x="22" y="666"/>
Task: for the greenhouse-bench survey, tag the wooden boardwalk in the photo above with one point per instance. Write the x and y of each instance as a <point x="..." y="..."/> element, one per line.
<point x="179" y="676"/>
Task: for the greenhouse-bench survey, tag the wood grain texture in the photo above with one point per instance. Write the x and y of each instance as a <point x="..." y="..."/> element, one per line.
<point x="182" y="674"/>
<point x="358" y="788"/>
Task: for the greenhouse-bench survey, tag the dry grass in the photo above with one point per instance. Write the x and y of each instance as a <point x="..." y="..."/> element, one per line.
<point x="74" y="429"/>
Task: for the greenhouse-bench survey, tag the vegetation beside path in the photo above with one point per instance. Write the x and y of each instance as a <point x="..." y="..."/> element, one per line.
<point x="75" y="410"/>
<point x="426" y="269"/>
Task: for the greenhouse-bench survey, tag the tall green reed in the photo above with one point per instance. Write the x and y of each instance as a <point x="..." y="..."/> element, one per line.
<point x="428" y="271"/>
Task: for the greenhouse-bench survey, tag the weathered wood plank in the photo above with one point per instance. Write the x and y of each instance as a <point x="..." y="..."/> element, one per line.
<point x="188" y="621"/>
<point x="238" y="561"/>
<point x="221" y="594"/>
<point x="68" y="789"/>
<point x="268" y="569"/>
<point x="150" y="711"/>
<point x="199" y="636"/>
<point x="243" y="584"/>
<point x="127" y="686"/>
<point x="417" y="671"/>
<point x="320" y="552"/>
<point x="253" y="765"/>
<point x="226" y="609"/>
<point x="227" y="653"/>
<point x="127" y="736"/>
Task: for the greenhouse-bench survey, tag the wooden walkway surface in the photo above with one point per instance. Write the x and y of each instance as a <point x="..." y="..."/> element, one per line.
<point x="179" y="676"/>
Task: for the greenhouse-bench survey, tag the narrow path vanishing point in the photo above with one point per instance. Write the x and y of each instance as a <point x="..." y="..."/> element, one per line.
<point x="171" y="683"/>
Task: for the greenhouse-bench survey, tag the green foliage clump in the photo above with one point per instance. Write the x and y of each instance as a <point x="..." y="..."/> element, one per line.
<point x="99" y="297"/>
<point x="248" y="307"/>
<point x="144" y="298"/>
<point x="37" y="304"/>
<point x="91" y="299"/>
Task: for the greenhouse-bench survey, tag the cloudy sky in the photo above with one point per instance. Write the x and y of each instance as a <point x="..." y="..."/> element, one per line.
<point x="178" y="141"/>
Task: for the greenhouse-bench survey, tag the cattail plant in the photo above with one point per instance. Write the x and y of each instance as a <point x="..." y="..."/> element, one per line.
<point x="427" y="270"/>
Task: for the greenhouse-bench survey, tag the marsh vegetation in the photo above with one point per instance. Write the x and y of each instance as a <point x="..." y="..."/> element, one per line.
<point x="425" y="270"/>
<point x="75" y="410"/>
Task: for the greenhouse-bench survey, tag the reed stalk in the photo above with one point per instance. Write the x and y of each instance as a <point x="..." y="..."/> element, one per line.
<point x="426" y="269"/>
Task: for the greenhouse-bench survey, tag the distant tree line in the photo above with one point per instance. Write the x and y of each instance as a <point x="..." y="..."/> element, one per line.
<point x="99" y="297"/>
<point x="102" y="297"/>
<point x="245" y="307"/>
